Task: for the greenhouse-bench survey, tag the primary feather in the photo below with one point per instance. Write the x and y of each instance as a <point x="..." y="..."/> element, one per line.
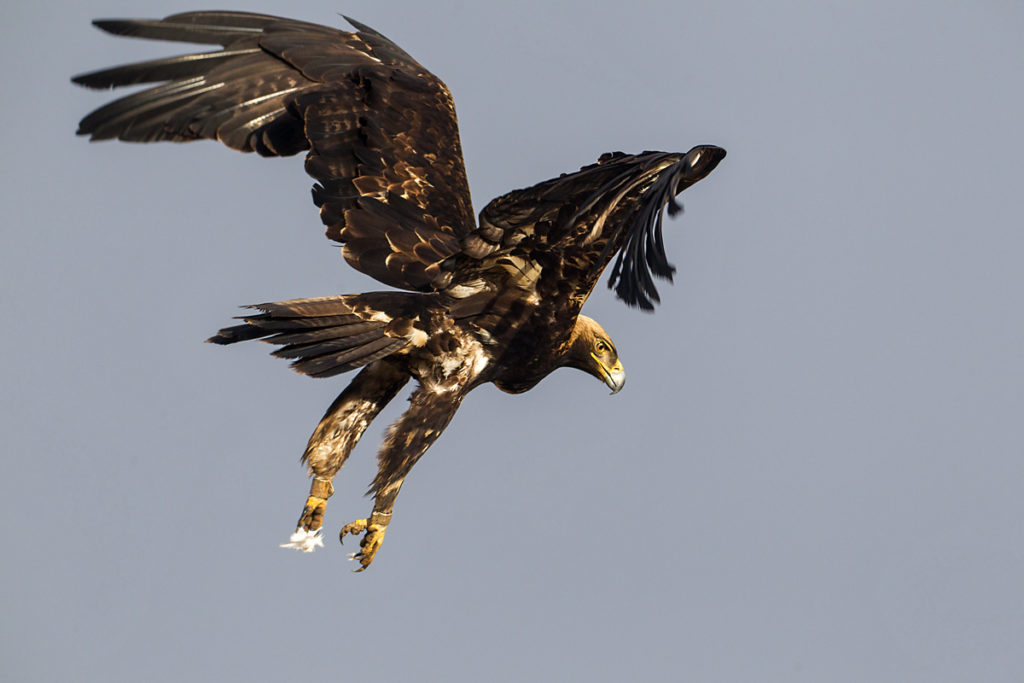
<point x="495" y="300"/>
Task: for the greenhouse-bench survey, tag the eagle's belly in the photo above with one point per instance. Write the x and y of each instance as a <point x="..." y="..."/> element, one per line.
<point x="517" y="383"/>
<point x="452" y="358"/>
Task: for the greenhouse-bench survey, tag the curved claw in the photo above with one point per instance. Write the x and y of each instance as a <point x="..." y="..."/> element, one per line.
<point x="374" y="536"/>
<point x="357" y="527"/>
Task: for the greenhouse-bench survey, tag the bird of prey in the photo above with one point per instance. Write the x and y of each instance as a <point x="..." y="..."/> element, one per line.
<point x="491" y="300"/>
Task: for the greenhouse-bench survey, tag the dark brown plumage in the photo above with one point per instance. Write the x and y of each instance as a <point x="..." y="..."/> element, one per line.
<point x="497" y="300"/>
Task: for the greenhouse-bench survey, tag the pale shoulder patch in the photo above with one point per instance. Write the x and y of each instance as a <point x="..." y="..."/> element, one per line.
<point x="479" y="359"/>
<point x="418" y="337"/>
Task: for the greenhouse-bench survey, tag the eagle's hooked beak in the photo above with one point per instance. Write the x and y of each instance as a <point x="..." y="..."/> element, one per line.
<point x="614" y="376"/>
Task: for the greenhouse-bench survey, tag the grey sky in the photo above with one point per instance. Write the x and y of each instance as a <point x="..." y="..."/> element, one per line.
<point x="813" y="474"/>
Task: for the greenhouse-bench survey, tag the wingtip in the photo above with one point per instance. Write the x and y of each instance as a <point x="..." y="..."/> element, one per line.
<point x="361" y="27"/>
<point x="355" y="24"/>
<point x="114" y="26"/>
<point x="89" y="80"/>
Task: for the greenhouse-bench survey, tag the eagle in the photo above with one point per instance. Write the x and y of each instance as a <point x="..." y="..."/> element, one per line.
<point x="495" y="300"/>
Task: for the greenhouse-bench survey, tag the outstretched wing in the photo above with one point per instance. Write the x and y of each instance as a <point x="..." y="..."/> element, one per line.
<point x="554" y="239"/>
<point x="380" y="129"/>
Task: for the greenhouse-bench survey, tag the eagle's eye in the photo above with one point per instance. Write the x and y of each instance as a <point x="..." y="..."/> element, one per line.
<point x="601" y="347"/>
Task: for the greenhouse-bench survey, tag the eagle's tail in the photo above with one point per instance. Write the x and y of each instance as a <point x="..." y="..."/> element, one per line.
<point x="330" y="335"/>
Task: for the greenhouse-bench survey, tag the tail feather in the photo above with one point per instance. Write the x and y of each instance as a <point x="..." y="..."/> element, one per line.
<point x="329" y="335"/>
<point x="350" y="332"/>
<point x="334" y="364"/>
<point x="312" y="308"/>
<point x="236" y="333"/>
<point x="339" y="341"/>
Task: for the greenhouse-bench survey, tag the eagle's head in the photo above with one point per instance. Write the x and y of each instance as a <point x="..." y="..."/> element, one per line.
<point x="591" y="350"/>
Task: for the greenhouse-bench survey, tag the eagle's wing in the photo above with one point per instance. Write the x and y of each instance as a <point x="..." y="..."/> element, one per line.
<point x="381" y="130"/>
<point x="558" y="236"/>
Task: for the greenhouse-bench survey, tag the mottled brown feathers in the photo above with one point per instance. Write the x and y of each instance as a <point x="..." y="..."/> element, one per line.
<point x="585" y="218"/>
<point x="383" y="144"/>
<point x="329" y="335"/>
<point x="380" y="129"/>
<point x="494" y="301"/>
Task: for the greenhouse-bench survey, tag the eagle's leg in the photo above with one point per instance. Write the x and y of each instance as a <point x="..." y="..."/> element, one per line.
<point x="407" y="439"/>
<point x="336" y="436"/>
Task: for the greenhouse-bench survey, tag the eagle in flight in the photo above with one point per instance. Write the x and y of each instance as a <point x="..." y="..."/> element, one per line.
<point x="495" y="300"/>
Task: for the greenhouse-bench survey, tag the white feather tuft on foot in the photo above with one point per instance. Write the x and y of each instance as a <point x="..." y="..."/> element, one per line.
<point x="305" y="540"/>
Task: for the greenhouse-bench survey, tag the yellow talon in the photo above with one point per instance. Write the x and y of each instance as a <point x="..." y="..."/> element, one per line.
<point x="356" y="527"/>
<point x="368" y="547"/>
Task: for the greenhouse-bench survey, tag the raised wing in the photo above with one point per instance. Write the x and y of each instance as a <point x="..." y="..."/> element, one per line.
<point x="556" y="238"/>
<point x="381" y="130"/>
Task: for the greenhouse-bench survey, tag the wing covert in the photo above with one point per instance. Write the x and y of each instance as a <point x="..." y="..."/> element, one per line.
<point x="380" y="130"/>
<point x="570" y="227"/>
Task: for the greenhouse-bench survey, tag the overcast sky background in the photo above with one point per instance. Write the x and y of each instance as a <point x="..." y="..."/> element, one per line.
<point x="814" y="473"/>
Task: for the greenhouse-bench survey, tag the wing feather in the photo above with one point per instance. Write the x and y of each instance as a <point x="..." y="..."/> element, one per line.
<point x="380" y="130"/>
<point x="383" y="145"/>
<point x="572" y="226"/>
